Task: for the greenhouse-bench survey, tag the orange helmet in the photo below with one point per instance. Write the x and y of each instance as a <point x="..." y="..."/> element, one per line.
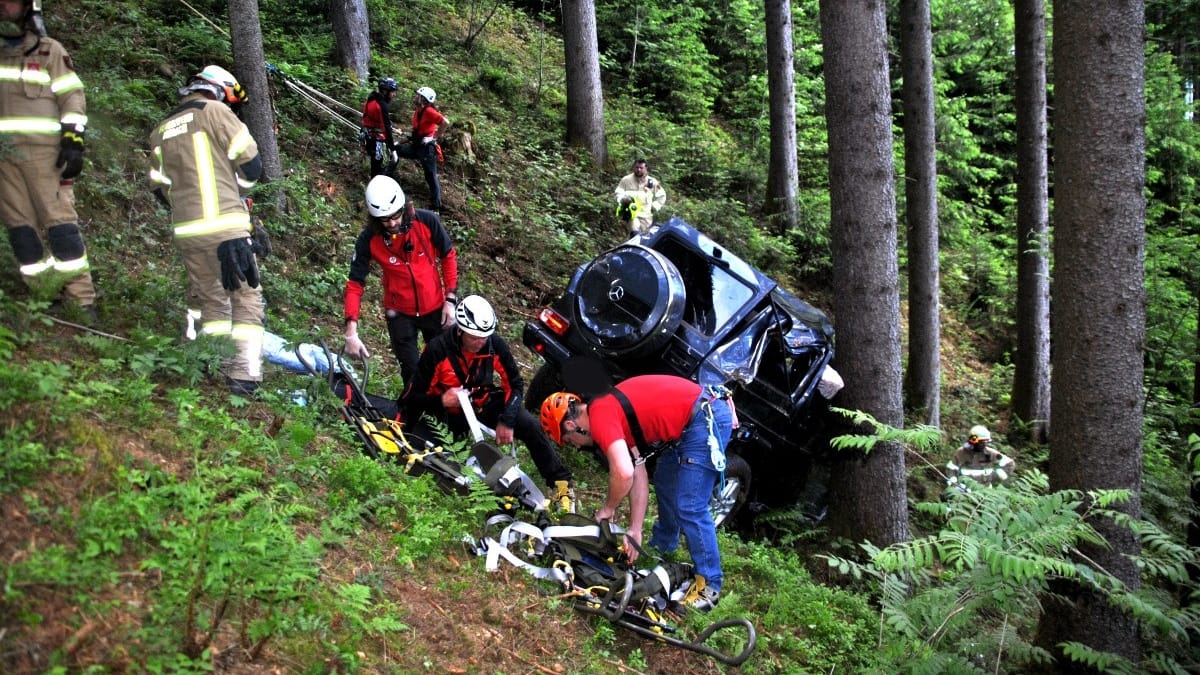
<point x="555" y="408"/>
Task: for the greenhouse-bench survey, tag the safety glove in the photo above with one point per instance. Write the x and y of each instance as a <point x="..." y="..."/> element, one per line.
<point x="237" y="263"/>
<point x="70" y="152"/>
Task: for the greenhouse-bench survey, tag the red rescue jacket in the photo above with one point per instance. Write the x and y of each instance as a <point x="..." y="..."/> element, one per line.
<point x="410" y="262"/>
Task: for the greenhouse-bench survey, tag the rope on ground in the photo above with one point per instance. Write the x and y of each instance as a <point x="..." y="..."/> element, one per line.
<point x="89" y="329"/>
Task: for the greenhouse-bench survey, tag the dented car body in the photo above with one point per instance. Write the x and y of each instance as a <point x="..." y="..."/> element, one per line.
<point x="674" y="301"/>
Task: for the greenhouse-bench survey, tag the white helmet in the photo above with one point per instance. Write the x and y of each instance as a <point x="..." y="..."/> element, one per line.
<point x="384" y="196"/>
<point x="427" y="94"/>
<point x="231" y="89"/>
<point x="475" y="316"/>
<point x="979" y="434"/>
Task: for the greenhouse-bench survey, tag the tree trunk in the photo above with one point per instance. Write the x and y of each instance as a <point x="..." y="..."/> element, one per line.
<point x="585" y="98"/>
<point x="1031" y="377"/>
<point x="868" y="494"/>
<point x="1098" y="309"/>
<point x="783" y="182"/>
<point x="351" y="36"/>
<point x="923" y="380"/>
<point x="1193" y="460"/>
<point x="250" y="67"/>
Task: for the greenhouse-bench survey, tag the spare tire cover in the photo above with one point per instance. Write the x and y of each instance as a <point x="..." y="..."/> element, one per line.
<point x="630" y="300"/>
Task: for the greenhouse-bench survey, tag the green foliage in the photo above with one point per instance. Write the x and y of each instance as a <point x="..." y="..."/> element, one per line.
<point x="969" y="594"/>
<point x="227" y="545"/>
<point x="361" y="610"/>
<point x="923" y="437"/>
<point x="21" y="460"/>
<point x="802" y="625"/>
<point x="672" y="66"/>
<point x="225" y="523"/>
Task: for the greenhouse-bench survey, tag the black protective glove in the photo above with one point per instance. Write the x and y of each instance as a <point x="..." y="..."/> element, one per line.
<point x="237" y="263"/>
<point x="261" y="238"/>
<point x="70" y="153"/>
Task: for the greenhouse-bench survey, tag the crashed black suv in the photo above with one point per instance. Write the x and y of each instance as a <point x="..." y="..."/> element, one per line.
<point x="674" y="301"/>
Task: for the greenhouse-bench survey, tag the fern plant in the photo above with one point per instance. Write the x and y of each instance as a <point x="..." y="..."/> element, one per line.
<point x="966" y="598"/>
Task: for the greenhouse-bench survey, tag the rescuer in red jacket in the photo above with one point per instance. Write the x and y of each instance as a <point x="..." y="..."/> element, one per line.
<point x="420" y="273"/>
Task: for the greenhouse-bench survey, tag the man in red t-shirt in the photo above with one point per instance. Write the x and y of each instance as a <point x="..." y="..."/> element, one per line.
<point x="428" y="125"/>
<point x="687" y="429"/>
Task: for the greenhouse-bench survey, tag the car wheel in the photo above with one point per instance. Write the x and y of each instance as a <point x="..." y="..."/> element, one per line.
<point x="546" y="381"/>
<point x="630" y="301"/>
<point x="728" y="498"/>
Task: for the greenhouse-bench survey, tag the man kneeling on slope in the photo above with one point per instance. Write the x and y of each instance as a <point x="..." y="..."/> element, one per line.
<point x="470" y="357"/>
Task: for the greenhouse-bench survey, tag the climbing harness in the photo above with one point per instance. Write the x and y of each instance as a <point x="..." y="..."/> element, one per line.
<point x="585" y="559"/>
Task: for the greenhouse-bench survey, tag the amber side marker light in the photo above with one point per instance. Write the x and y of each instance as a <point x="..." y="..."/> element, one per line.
<point x="557" y="323"/>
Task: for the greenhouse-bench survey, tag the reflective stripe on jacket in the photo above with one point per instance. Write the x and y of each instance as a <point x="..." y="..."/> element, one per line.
<point x="39" y="92"/>
<point x="199" y="153"/>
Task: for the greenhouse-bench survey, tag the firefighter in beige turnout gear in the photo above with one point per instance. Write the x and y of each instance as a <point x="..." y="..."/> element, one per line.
<point x="43" y="114"/>
<point x="203" y="158"/>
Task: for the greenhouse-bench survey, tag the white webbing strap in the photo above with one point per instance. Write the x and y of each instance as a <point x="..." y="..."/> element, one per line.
<point x="519" y="531"/>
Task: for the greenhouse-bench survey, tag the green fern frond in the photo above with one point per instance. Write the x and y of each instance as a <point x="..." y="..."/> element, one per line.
<point x="957" y="550"/>
<point x="1149" y="613"/>
<point x="1105" y="662"/>
<point x="1107" y="498"/>
<point x="908" y="555"/>
<point x="921" y="437"/>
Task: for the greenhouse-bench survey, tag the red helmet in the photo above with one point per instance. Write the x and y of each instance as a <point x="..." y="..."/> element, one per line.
<point x="555" y="409"/>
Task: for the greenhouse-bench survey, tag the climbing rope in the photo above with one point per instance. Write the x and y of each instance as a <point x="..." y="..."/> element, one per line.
<point x="318" y="99"/>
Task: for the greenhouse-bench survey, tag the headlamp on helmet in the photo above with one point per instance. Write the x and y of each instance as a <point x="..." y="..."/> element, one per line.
<point x="979" y="434"/>
<point x="231" y="90"/>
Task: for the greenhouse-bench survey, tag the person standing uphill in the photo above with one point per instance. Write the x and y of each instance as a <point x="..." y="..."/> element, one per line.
<point x="42" y="119"/>
<point x="428" y="125"/>
<point x="688" y="428"/>
<point x="377" y="127"/>
<point x="203" y="156"/>
<point x="409" y="245"/>
<point x="639" y="197"/>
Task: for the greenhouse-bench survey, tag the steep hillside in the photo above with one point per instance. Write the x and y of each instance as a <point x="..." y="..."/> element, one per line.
<point x="155" y="524"/>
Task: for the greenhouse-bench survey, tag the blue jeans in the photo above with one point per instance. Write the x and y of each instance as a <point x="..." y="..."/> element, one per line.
<point x="683" y="482"/>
